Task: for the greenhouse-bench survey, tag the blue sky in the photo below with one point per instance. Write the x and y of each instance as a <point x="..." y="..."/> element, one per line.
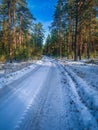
<point x="43" y="11"/>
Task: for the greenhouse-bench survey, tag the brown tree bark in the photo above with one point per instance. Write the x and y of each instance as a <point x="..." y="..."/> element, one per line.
<point x="9" y="30"/>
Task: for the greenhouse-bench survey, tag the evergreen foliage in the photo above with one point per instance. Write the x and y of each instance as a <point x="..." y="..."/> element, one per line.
<point x="17" y="31"/>
<point x="74" y="31"/>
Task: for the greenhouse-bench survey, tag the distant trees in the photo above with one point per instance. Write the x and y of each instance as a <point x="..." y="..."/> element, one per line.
<point x="36" y="41"/>
<point x="38" y="36"/>
<point x="75" y="27"/>
<point x="16" y="30"/>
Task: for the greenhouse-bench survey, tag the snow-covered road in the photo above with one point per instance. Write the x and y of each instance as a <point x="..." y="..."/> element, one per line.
<point x="15" y="97"/>
<point x="50" y="97"/>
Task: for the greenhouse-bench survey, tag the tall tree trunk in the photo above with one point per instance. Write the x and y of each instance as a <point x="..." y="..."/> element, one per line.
<point x="9" y="31"/>
<point x="14" y="34"/>
<point x="94" y="48"/>
<point x="88" y="50"/>
<point x="79" y="46"/>
<point x="20" y="33"/>
<point x="76" y="30"/>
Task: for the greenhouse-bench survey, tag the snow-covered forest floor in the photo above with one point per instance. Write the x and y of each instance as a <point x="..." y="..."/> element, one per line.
<point x="50" y="95"/>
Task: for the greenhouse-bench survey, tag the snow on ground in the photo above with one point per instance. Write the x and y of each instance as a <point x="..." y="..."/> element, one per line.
<point x="60" y="105"/>
<point x="85" y="78"/>
<point x="53" y="97"/>
<point x="88" y="72"/>
<point x="7" y="78"/>
<point x="1" y="70"/>
<point x="17" y="96"/>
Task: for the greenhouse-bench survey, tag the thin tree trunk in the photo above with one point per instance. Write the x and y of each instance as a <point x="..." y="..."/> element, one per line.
<point x="14" y="35"/>
<point x="88" y="51"/>
<point x="9" y="31"/>
<point x="20" y="34"/>
<point x="76" y="31"/>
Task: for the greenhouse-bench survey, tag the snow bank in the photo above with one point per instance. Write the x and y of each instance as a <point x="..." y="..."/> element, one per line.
<point x="10" y="77"/>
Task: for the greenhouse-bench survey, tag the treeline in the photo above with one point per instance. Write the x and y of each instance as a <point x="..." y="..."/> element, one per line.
<point x="20" y="38"/>
<point x="74" y="30"/>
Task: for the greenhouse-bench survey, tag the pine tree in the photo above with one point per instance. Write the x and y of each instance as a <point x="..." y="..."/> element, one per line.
<point x="16" y="22"/>
<point x="75" y="27"/>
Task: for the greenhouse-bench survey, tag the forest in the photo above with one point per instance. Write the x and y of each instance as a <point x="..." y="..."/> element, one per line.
<point x="20" y="37"/>
<point x="73" y="31"/>
<point x="48" y="64"/>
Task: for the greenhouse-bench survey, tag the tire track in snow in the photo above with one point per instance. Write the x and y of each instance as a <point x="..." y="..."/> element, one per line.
<point x="31" y="117"/>
<point x="88" y="96"/>
<point x="86" y="118"/>
<point x="46" y="113"/>
<point x="10" y="87"/>
<point x="70" y="116"/>
<point x="16" y="103"/>
<point x="11" y="90"/>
